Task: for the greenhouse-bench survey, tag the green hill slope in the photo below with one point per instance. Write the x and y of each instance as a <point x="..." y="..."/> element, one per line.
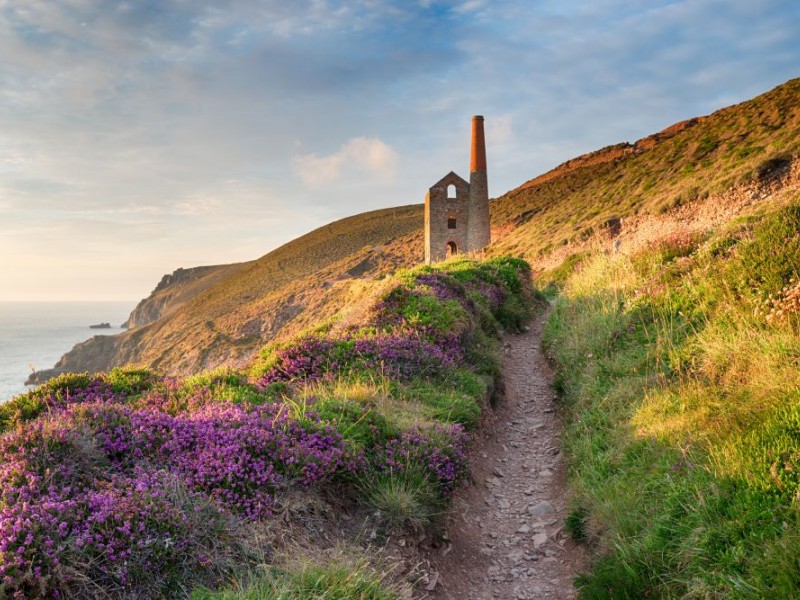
<point x="690" y="161"/>
<point x="232" y="311"/>
<point x="293" y="287"/>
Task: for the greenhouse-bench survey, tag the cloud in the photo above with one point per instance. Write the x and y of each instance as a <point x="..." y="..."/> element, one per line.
<point x="357" y="157"/>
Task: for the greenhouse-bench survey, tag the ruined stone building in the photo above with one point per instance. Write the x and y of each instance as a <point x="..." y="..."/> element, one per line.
<point x="457" y="212"/>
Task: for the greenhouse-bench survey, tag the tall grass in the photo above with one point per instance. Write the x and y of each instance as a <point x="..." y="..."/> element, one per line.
<point x="684" y="415"/>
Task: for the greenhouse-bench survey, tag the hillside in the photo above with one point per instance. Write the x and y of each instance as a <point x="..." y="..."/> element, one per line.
<point x="216" y="315"/>
<point x="749" y="144"/>
<point x="322" y="461"/>
<point x="226" y="313"/>
<point x="327" y="446"/>
<point x="176" y="289"/>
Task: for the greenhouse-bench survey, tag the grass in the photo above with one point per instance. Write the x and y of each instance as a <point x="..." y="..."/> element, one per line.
<point x="684" y="413"/>
<point x="404" y="500"/>
<point x="333" y="581"/>
<point x="708" y="157"/>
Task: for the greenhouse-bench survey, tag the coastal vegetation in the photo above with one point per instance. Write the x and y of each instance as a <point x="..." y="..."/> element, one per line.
<point x="133" y="484"/>
<point x="748" y="143"/>
<point x="678" y="367"/>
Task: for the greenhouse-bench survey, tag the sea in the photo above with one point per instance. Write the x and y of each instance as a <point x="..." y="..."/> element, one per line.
<point x="34" y="335"/>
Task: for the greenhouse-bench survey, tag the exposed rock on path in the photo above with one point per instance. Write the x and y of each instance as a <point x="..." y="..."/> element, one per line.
<point x="506" y="530"/>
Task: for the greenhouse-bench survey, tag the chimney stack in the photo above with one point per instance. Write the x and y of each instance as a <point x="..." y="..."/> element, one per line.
<point x="478" y="158"/>
<point x="478" y="233"/>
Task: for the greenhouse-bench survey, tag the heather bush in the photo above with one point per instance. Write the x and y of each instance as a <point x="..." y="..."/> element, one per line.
<point x="70" y="524"/>
<point x="439" y="452"/>
<point x="59" y="392"/>
<point x="402" y="355"/>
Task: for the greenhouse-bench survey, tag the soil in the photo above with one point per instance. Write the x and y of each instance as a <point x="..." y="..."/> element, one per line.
<point x="506" y="530"/>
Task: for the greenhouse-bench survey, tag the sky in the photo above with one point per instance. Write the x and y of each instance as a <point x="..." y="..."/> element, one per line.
<point x="138" y="137"/>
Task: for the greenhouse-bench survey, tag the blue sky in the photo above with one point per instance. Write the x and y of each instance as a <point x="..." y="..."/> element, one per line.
<point x="137" y="137"/>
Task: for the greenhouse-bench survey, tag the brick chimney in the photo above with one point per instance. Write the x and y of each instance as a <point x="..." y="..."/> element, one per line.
<point x="478" y="158"/>
<point x="478" y="235"/>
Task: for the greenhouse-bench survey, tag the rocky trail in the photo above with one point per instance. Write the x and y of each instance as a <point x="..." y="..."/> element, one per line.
<point x="507" y="537"/>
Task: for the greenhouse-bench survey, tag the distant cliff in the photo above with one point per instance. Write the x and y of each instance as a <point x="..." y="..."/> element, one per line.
<point x="174" y="290"/>
<point x="205" y="316"/>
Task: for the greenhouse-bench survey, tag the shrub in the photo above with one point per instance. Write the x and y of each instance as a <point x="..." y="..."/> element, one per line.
<point x="404" y="500"/>
<point x="130" y="380"/>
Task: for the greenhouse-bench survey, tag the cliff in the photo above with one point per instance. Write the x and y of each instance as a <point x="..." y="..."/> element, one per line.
<point x="174" y="290"/>
<point x="206" y="316"/>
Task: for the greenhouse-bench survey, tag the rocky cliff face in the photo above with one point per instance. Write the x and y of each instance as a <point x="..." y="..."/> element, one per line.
<point x="174" y="290"/>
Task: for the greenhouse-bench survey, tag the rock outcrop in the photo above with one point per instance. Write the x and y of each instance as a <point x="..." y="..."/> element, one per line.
<point x="174" y="290"/>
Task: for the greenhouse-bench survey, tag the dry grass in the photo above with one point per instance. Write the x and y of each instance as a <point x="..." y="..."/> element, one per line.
<point x="741" y="143"/>
<point x="293" y="287"/>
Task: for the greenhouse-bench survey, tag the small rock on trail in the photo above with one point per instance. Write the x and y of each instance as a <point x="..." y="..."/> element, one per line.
<point x="506" y="530"/>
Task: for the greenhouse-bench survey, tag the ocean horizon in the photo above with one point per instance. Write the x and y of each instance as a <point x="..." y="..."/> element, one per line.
<point x="34" y="335"/>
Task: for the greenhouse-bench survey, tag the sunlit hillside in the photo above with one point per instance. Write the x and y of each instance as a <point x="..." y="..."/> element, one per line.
<point x="326" y="396"/>
<point x="293" y="287"/>
<point x="701" y="158"/>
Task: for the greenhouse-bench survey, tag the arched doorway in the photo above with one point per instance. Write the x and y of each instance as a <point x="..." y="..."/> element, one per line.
<point x="452" y="249"/>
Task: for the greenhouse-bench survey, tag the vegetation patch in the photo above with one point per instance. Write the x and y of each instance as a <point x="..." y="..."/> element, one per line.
<point x="131" y="484"/>
<point x="678" y="368"/>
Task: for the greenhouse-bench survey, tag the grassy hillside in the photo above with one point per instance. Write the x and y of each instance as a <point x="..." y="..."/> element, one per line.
<point x="293" y="287"/>
<point x="677" y="356"/>
<point x="685" y="163"/>
<point x="680" y="369"/>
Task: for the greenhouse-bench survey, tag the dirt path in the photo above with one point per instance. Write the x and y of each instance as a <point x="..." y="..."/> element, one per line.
<point x="506" y="530"/>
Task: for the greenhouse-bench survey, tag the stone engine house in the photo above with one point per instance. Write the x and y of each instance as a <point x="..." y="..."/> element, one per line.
<point x="457" y="211"/>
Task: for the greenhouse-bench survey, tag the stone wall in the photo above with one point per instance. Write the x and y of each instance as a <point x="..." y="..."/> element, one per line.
<point x="439" y="213"/>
